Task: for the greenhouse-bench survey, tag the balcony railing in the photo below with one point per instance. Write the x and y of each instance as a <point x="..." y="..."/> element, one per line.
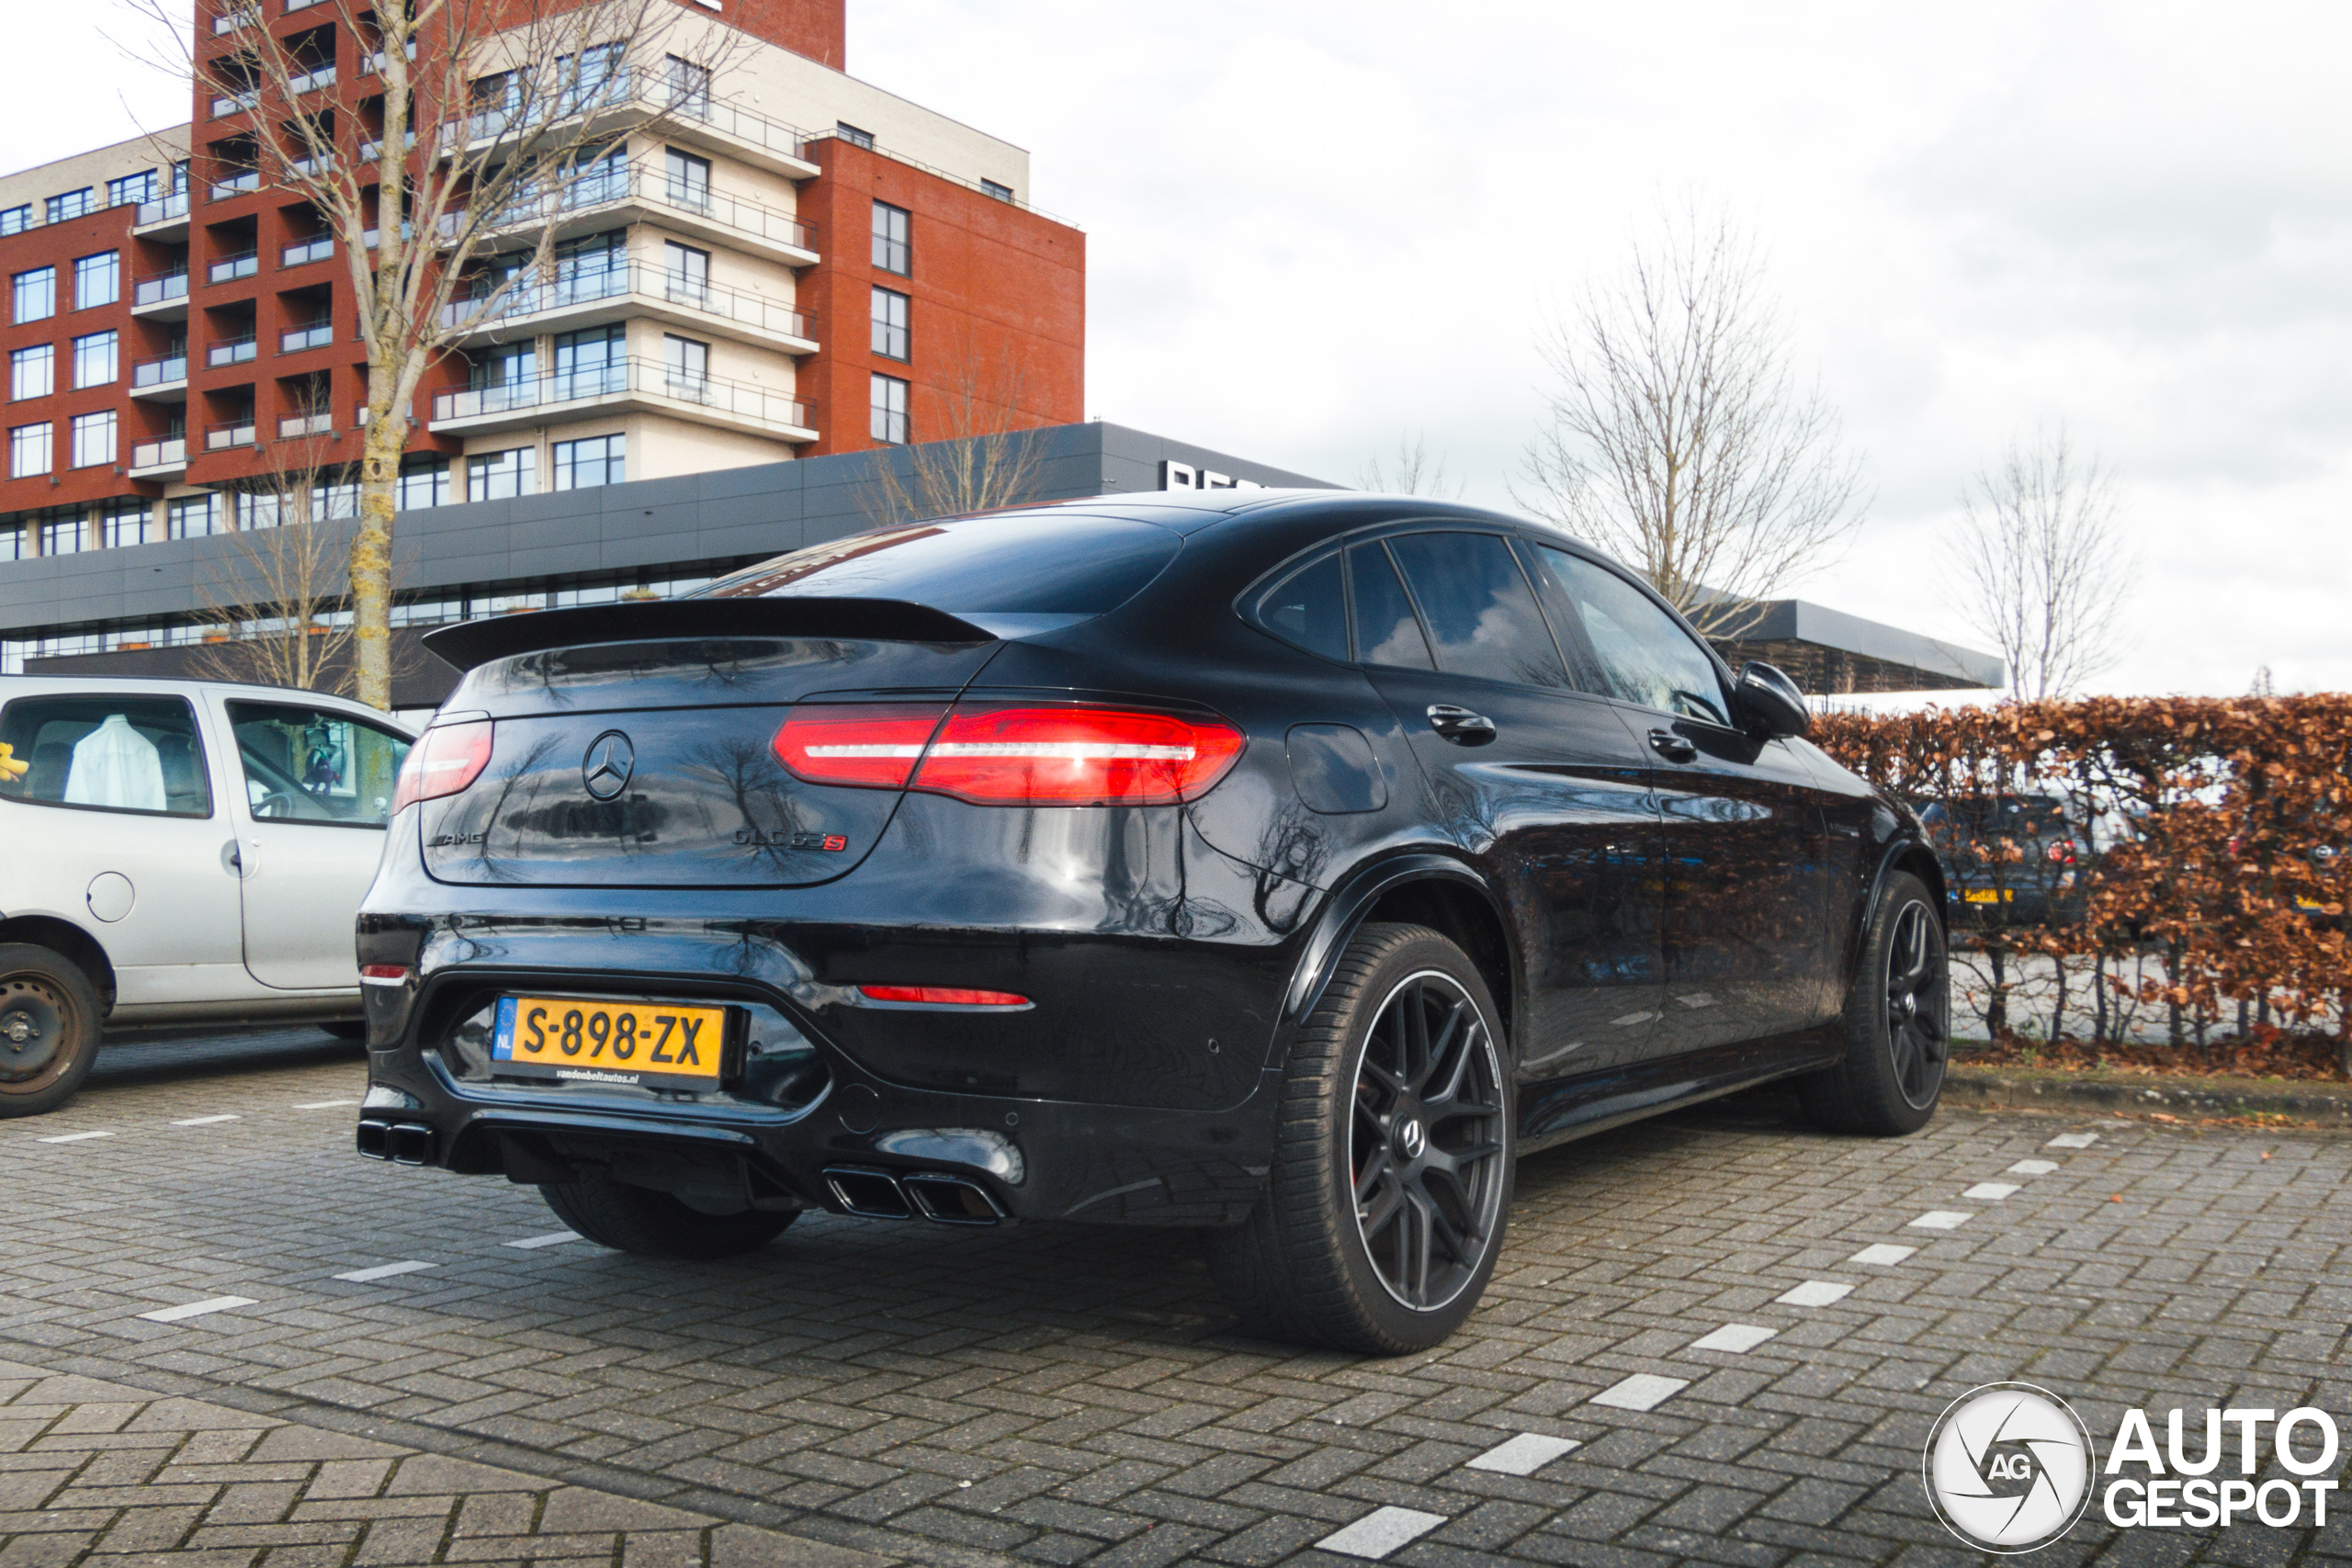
<point x="373" y="65"/>
<point x="570" y="292"/>
<point x="646" y="93"/>
<point x="235" y="15"/>
<point x="236" y="432"/>
<point x="627" y="377"/>
<point x="163" y="210"/>
<point x="373" y="148"/>
<point x="231" y="351"/>
<point x="603" y="186"/>
<point x="292" y="425"/>
<point x="236" y="185"/>
<point x="318" y="335"/>
<point x="303" y="5"/>
<point x="160" y="289"/>
<point x="228" y="269"/>
<point x="159" y="372"/>
<point x="226" y="104"/>
<point x="170" y="452"/>
<point x="319" y="247"/>
<point x="313" y="79"/>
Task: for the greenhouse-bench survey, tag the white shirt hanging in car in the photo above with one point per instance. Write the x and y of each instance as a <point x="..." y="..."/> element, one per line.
<point x="115" y="765"/>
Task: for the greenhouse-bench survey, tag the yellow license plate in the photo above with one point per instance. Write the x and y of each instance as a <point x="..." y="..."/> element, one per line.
<point x="648" y="1044"/>
<point x="1987" y="896"/>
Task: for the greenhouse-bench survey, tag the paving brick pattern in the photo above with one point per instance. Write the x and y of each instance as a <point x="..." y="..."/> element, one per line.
<point x="1061" y="1395"/>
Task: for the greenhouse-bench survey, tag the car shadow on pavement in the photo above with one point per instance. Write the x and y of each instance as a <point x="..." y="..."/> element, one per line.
<point x="132" y="1056"/>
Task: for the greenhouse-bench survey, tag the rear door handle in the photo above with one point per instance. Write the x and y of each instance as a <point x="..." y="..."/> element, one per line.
<point x="1672" y="747"/>
<point x="1460" y="724"/>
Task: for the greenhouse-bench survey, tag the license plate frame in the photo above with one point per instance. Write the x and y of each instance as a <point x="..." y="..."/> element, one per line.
<point x="668" y="1044"/>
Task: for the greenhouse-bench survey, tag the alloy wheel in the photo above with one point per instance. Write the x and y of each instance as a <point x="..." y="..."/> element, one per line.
<point x="1426" y="1141"/>
<point x="1919" y="999"/>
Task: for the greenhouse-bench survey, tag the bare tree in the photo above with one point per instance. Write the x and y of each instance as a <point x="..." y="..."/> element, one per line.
<point x="980" y="451"/>
<point x="494" y="118"/>
<point x="1408" y="470"/>
<point x="2040" y="565"/>
<point x="278" y="592"/>
<point x="1679" y="438"/>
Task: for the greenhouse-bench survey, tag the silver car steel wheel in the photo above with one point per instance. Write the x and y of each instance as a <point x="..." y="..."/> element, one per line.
<point x="1425" y="1141"/>
<point x="1919" y="1003"/>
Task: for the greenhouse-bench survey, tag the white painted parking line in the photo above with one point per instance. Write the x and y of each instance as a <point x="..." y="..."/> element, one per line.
<point x="1643" y="1391"/>
<point x="1992" y="1192"/>
<point x="73" y="1137"/>
<point x="553" y="1238"/>
<point x="1735" y="1338"/>
<point x="1882" y="1253"/>
<point x="1523" y="1455"/>
<point x="1815" y="1293"/>
<point x="2072" y="1141"/>
<point x="383" y="1271"/>
<point x="325" y="1104"/>
<point x="197" y="1308"/>
<point x="2033" y="1167"/>
<point x="1380" y="1532"/>
<point x="1940" y="1220"/>
<point x="203" y="1121"/>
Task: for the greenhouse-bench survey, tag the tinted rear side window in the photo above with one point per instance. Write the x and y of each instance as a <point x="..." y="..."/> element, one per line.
<point x="107" y="753"/>
<point x="1021" y="563"/>
<point x="1479" y="609"/>
<point x="1387" y="632"/>
<point x="1309" y="608"/>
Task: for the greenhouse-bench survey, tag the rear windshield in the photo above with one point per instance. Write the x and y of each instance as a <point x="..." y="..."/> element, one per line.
<point x="1037" y="564"/>
<point x="2007" y="817"/>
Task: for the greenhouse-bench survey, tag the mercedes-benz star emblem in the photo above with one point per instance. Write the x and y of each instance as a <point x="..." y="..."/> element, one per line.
<point x="610" y="761"/>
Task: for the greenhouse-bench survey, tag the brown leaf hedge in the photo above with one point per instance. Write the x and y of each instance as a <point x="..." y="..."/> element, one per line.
<point x="2209" y="831"/>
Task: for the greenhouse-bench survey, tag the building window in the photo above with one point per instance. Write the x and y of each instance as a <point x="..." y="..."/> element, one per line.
<point x="16" y="221"/>
<point x="893" y="247"/>
<point x="193" y="516"/>
<point x="128" y="190"/>
<point x="587" y="463"/>
<point x="595" y="266"/>
<point x="499" y="476"/>
<point x="71" y="203"/>
<point x="592" y="363"/>
<point x="596" y="181"/>
<point x="853" y="135"/>
<point x="97" y="280"/>
<point x="890" y="335"/>
<point x="36" y="294"/>
<point x="889" y="411"/>
<point x="688" y="272"/>
<point x="508" y="376"/>
<point x="94" y="439"/>
<point x="689" y="87"/>
<point x="688" y="366"/>
<point x="1003" y="193"/>
<point x="62" y="536"/>
<point x="125" y="522"/>
<point x="95" y="362"/>
<point x="32" y="372"/>
<point x="689" y="178"/>
<point x="424" y="482"/>
<point x="27" y="451"/>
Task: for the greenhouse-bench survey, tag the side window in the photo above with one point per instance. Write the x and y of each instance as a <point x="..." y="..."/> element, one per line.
<point x="306" y="764"/>
<point x="1644" y="656"/>
<point x="1480" y="612"/>
<point x="1309" y="609"/>
<point x="1387" y="632"/>
<point x="103" y="753"/>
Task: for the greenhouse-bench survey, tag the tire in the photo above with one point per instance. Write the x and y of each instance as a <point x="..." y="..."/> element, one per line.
<point x="45" y="997"/>
<point x="655" y="1224"/>
<point x="1315" y="1264"/>
<point x="1898" y="1023"/>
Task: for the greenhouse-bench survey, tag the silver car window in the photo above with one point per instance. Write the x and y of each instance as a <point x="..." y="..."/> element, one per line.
<point x="313" y="764"/>
<point x="101" y="752"/>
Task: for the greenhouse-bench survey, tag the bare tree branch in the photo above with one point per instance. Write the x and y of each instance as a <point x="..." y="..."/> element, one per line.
<point x="1408" y="470"/>
<point x="1679" y="439"/>
<point x="2042" y="566"/>
<point x="276" y="601"/>
<point x="982" y="456"/>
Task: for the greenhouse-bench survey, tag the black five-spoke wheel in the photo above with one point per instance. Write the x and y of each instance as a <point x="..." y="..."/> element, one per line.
<point x="1425" y="1145"/>
<point x="1897" y="1027"/>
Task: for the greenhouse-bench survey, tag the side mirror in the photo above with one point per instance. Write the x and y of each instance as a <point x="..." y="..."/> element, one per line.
<point x="1769" y="703"/>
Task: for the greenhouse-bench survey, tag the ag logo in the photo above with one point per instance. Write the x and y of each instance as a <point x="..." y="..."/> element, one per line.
<point x="2009" y="1467"/>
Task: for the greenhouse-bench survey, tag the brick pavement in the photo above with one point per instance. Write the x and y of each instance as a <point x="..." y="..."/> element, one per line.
<point x="1055" y="1395"/>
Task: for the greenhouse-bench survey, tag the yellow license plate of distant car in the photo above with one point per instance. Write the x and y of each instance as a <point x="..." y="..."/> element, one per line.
<point x="1987" y="896"/>
<point x="648" y="1044"/>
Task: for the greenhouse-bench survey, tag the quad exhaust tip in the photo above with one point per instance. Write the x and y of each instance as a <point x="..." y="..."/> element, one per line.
<point x="402" y="1143"/>
<point x="935" y="1195"/>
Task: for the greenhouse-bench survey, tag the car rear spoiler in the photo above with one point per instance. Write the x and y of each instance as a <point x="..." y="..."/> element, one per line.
<point x="472" y="643"/>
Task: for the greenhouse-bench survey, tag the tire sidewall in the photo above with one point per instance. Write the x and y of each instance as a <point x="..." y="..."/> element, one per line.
<point x="1396" y="1321"/>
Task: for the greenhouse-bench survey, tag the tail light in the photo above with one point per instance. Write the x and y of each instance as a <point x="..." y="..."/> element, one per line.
<point x="990" y="756"/>
<point x="383" y="973"/>
<point x="2062" y="851"/>
<point x="448" y="760"/>
<point x="942" y="996"/>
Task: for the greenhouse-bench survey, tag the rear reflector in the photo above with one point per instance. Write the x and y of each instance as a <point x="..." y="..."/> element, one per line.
<point x="447" y="761"/>
<point x="383" y="973"/>
<point x="992" y="756"/>
<point x="942" y="996"/>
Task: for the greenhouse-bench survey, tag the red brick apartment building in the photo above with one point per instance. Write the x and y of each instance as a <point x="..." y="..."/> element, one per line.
<point x="836" y="267"/>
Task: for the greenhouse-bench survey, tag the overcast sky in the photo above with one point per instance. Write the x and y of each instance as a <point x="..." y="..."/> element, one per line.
<point x="1315" y="229"/>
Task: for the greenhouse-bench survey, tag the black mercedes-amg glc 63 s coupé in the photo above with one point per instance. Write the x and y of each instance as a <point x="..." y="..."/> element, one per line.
<point x="1281" y="864"/>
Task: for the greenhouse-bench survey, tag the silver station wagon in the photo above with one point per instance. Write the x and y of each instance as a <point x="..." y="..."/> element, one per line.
<point x="177" y="852"/>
